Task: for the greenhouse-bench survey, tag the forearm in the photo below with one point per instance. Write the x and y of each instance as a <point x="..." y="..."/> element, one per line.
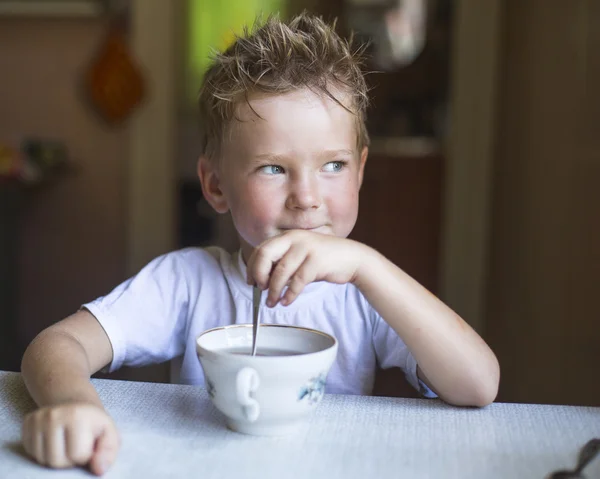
<point x="455" y="361"/>
<point x="56" y="370"/>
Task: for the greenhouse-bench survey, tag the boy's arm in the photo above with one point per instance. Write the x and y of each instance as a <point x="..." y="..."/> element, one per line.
<point x="71" y="427"/>
<point x="57" y="365"/>
<point x="452" y="358"/>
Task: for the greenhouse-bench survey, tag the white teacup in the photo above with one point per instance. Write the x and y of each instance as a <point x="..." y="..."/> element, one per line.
<point x="271" y="393"/>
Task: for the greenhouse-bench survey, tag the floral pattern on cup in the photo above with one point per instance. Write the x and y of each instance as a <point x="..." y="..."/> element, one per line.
<point x="314" y="389"/>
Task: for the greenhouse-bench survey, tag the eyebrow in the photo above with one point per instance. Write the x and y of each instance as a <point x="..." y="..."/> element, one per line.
<point x="322" y="154"/>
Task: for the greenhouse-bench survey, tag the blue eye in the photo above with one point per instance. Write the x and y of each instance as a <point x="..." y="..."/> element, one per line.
<point x="272" y="169"/>
<point x="334" y="166"/>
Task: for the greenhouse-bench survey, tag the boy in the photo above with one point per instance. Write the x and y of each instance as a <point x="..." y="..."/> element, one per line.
<point x="284" y="149"/>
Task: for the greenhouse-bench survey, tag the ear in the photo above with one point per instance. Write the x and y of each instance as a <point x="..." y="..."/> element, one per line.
<point x="209" y="175"/>
<point x="361" y="167"/>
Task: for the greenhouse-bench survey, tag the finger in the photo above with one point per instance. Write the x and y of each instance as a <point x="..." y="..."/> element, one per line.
<point x="254" y="257"/>
<point x="55" y="447"/>
<point x="264" y="258"/>
<point x="304" y="275"/>
<point x="285" y="268"/>
<point x="37" y="440"/>
<point x="257" y="257"/>
<point x="26" y="435"/>
<point x="107" y="447"/>
<point x="79" y="445"/>
<point x="250" y="267"/>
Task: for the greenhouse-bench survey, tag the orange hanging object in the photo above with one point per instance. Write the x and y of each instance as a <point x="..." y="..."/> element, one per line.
<point x="11" y="162"/>
<point x="114" y="82"/>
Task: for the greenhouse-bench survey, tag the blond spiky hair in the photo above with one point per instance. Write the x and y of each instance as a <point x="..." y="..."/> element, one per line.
<point x="276" y="57"/>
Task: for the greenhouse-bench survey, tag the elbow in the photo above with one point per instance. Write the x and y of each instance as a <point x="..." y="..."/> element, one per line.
<point x="479" y="396"/>
<point x="31" y="355"/>
<point x="485" y="396"/>
<point x="35" y="353"/>
<point x="485" y="389"/>
<point x="480" y="390"/>
<point x="26" y="358"/>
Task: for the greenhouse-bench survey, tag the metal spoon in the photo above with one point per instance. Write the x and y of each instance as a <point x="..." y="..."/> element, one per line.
<point x="588" y="452"/>
<point x="256" y="293"/>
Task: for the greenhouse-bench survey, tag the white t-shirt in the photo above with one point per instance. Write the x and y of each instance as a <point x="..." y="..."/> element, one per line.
<point x="157" y="315"/>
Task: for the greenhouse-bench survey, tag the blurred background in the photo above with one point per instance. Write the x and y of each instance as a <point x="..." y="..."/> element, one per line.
<point x="482" y="181"/>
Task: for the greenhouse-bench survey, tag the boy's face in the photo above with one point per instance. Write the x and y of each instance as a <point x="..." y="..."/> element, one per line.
<point x="295" y="167"/>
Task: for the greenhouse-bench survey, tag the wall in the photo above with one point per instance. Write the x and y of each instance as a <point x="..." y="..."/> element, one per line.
<point x="73" y="232"/>
<point x="542" y="314"/>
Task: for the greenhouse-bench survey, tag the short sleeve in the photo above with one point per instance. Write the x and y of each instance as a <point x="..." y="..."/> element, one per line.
<point x="145" y="317"/>
<point x="392" y="352"/>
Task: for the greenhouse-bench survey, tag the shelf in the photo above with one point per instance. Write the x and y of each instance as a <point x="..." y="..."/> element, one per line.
<point x="51" y="8"/>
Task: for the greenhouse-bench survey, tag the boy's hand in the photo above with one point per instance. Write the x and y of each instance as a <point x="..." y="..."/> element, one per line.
<point x="297" y="258"/>
<point x="75" y="434"/>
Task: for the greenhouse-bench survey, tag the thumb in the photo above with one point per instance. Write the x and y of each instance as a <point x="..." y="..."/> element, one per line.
<point x="105" y="451"/>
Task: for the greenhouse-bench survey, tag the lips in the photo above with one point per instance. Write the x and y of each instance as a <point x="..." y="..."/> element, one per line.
<point x="306" y="228"/>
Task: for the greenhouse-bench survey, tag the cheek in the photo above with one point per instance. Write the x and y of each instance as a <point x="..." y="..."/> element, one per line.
<point x="263" y="211"/>
<point x="253" y="209"/>
<point x="343" y="197"/>
<point x="343" y="206"/>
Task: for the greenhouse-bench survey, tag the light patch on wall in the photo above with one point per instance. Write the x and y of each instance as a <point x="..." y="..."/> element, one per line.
<point x="213" y="24"/>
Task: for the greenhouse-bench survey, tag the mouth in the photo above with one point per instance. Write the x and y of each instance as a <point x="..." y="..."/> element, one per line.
<point x="305" y="228"/>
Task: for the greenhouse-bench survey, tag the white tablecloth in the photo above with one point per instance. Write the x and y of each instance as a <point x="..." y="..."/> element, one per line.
<point x="174" y="431"/>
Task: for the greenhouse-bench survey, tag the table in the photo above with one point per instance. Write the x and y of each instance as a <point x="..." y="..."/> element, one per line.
<point x="174" y="431"/>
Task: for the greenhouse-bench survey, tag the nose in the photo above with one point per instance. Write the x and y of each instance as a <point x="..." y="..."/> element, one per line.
<point x="304" y="193"/>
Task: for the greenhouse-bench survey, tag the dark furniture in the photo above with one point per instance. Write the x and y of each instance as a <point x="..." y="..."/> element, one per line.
<point x="10" y="202"/>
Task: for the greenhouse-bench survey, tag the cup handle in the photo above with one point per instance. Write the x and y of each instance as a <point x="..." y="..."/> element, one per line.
<point x="247" y="382"/>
